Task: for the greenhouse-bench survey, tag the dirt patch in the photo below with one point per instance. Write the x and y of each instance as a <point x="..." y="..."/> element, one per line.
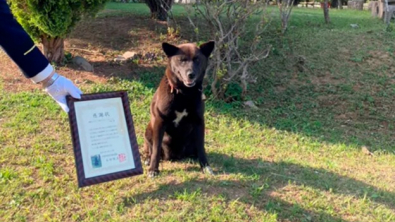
<point x="378" y="60"/>
<point x="100" y="41"/>
<point x="15" y="81"/>
<point x="325" y="79"/>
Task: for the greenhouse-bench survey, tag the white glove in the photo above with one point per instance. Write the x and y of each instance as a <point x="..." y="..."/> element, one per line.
<point x="62" y="87"/>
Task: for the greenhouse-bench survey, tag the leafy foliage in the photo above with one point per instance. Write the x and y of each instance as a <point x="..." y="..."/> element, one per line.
<point x="54" y="18"/>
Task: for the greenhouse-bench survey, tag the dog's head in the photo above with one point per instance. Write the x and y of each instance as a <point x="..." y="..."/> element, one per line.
<point x="188" y="62"/>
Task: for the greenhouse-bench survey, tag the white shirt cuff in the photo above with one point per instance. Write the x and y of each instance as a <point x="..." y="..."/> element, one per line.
<point x="43" y="74"/>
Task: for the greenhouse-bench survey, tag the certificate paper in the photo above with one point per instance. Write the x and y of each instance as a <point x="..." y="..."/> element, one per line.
<point x="103" y="137"/>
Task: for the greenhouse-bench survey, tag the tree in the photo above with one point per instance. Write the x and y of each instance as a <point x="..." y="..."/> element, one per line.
<point x="337" y="4"/>
<point x="159" y="8"/>
<point x="326" y="12"/>
<point x="49" y="21"/>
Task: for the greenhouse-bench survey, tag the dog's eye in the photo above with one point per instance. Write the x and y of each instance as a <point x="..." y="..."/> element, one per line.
<point x="183" y="59"/>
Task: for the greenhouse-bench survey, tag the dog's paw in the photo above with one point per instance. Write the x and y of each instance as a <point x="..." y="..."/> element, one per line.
<point x="152" y="174"/>
<point x="208" y="170"/>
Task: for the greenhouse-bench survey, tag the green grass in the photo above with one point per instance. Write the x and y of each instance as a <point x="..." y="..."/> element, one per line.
<point x="120" y="9"/>
<point x="297" y="158"/>
<point x="117" y="9"/>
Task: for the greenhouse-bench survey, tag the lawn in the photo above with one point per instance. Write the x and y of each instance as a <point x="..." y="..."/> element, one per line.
<point x="325" y="96"/>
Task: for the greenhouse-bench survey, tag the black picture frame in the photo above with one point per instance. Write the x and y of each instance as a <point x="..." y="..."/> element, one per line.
<point x="82" y="180"/>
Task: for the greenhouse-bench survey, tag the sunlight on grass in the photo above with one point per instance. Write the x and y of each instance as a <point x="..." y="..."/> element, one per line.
<point x="296" y="158"/>
<point x="263" y="173"/>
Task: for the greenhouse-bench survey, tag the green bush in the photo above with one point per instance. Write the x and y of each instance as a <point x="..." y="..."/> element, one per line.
<point x="49" y="21"/>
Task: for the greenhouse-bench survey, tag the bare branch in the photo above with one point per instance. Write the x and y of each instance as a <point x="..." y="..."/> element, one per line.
<point x="285" y="12"/>
<point x="238" y="47"/>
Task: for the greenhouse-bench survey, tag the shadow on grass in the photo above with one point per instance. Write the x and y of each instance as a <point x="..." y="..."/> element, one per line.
<point x="117" y="33"/>
<point x="287" y="101"/>
<point x="300" y="109"/>
<point x="318" y="105"/>
<point x="274" y="176"/>
<point x="131" y="32"/>
<point x="289" y="104"/>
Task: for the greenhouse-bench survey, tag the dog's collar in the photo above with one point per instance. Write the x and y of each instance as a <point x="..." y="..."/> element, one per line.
<point x="173" y="88"/>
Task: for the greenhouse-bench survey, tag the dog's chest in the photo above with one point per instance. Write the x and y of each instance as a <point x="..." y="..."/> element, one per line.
<point x="179" y="116"/>
<point x="185" y="111"/>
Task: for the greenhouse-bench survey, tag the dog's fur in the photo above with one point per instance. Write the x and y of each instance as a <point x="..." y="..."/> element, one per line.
<point x="176" y="128"/>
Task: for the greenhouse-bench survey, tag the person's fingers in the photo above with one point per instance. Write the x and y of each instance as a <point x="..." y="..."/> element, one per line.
<point x="65" y="107"/>
<point x="60" y="89"/>
<point x="62" y="103"/>
<point x="79" y="91"/>
<point x="74" y="92"/>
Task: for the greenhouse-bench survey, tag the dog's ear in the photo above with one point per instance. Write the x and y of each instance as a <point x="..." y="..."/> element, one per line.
<point x="169" y="49"/>
<point x="207" y="48"/>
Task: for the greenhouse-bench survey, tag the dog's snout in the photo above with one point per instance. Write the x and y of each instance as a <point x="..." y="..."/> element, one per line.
<point x="191" y="75"/>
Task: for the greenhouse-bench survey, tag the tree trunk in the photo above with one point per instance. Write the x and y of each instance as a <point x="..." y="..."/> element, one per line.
<point x="326" y="12"/>
<point x="159" y="8"/>
<point x="285" y="11"/>
<point x="53" y="48"/>
<point x="334" y="3"/>
<point x="340" y="4"/>
<point x="337" y="4"/>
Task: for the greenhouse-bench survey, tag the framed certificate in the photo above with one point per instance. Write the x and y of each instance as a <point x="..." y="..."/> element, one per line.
<point x="103" y="136"/>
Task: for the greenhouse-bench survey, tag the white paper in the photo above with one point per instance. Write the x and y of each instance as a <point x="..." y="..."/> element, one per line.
<point x="104" y="137"/>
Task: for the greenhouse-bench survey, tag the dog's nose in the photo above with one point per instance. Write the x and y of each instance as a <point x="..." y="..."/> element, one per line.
<point x="191" y="75"/>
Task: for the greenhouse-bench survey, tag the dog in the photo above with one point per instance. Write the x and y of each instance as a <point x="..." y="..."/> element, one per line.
<point x="176" y="128"/>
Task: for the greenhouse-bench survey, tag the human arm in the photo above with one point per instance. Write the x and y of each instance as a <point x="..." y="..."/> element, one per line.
<point x="34" y="65"/>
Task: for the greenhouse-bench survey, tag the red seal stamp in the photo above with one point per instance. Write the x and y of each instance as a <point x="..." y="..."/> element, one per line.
<point x="121" y="157"/>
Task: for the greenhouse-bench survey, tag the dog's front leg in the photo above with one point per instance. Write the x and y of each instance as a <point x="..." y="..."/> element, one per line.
<point x="200" y="148"/>
<point x="157" y="137"/>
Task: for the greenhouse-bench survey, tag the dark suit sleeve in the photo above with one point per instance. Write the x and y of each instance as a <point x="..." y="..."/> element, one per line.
<point x="20" y="47"/>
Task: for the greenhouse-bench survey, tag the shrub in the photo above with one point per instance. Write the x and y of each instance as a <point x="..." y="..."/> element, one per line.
<point x="49" y="21"/>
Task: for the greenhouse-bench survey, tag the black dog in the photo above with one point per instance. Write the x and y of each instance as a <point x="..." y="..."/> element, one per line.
<point x="176" y="128"/>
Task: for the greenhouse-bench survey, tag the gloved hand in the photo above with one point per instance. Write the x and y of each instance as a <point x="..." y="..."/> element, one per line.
<point x="62" y="87"/>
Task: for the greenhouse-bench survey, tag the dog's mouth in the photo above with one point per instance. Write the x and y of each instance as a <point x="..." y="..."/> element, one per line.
<point x="189" y="83"/>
